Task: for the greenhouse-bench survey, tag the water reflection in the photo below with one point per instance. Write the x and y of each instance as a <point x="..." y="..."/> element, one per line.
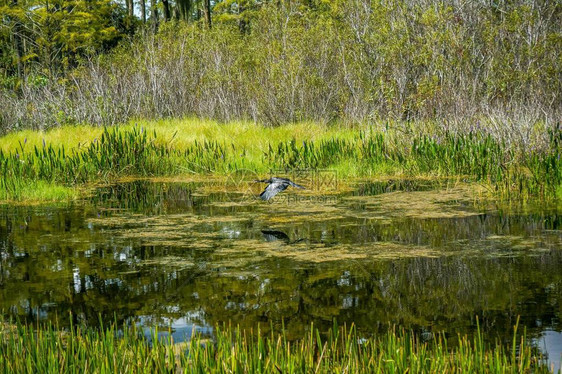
<point x="175" y="253"/>
<point x="273" y="235"/>
<point x="551" y="343"/>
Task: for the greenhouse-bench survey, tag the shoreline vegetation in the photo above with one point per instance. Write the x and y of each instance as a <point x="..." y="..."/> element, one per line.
<point x="47" y="349"/>
<point x="55" y="165"/>
<point x="405" y="87"/>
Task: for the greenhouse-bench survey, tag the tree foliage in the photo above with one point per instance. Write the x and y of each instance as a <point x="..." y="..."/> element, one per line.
<point x="50" y="36"/>
<point x="276" y="61"/>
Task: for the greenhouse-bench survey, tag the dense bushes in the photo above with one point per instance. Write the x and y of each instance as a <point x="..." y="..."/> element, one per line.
<point x="496" y="66"/>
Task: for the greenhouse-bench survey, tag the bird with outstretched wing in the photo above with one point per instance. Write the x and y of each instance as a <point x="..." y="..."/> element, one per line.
<point x="276" y="185"/>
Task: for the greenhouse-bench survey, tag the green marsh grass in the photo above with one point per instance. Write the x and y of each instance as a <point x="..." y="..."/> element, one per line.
<point x="36" y="190"/>
<point x="46" y="349"/>
<point x="203" y="147"/>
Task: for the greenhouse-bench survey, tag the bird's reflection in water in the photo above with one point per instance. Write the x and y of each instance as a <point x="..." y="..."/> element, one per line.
<point x="276" y="235"/>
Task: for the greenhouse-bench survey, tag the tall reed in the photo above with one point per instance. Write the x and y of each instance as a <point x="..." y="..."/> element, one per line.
<point x="46" y="349"/>
<point x="475" y="156"/>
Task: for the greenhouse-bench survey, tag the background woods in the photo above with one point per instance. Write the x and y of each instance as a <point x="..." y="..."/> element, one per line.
<point x="491" y="65"/>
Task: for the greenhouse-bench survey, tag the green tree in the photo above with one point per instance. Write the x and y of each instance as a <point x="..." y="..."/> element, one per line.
<point x="184" y="9"/>
<point x="54" y="34"/>
<point x="12" y="40"/>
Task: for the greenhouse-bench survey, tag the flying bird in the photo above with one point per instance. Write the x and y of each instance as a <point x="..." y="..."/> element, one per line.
<point x="275" y="186"/>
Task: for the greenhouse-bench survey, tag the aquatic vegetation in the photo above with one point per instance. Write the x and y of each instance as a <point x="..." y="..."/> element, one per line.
<point x="35" y="190"/>
<point x="445" y="202"/>
<point x="172" y="253"/>
<point x="232" y="231"/>
<point x="26" y="348"/>
<point x="139" y="151"/>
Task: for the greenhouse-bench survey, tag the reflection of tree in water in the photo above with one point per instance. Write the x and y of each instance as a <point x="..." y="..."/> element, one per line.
<point x="53" y="262"/>
<point x="444" y="293"/>
<point x="374" y="188"/>
<point x="147" y="197"/>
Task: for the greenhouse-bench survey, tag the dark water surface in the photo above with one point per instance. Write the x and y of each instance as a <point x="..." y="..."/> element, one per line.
<point x="188" y="254"/>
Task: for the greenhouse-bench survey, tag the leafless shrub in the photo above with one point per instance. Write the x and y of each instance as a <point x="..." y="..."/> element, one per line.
<point x="463" y="65"/>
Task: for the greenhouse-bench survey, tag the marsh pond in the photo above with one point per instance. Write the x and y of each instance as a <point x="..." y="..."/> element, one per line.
<point x="431" y="256"/>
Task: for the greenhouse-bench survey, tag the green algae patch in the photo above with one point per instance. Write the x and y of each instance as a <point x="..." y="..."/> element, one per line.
<point x="239" y="233"/>
<point x="320" y="252"/>
<point x="513" y="245"/>
<point x="175" y="262"/>
<point x="184" y="231"/>
<point x="314" y="253"/>
<point x="456" y="201"/>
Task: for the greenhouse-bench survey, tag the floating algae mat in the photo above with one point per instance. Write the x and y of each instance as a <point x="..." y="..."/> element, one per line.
<point x="457" y="200"/>
<point x="428" y="255"/>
